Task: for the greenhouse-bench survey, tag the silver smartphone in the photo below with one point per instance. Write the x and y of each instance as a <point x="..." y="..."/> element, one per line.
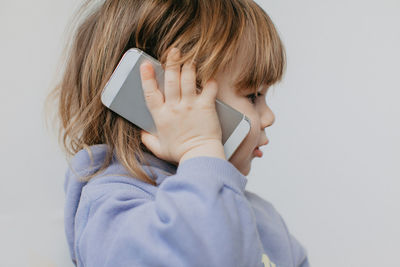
<point x="123" y="94"/>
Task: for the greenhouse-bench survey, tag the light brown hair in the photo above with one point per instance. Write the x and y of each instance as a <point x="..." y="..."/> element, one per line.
<point x="208" y="33"/>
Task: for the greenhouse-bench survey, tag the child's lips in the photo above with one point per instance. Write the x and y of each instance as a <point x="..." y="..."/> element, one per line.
<point x="257" y="152"/>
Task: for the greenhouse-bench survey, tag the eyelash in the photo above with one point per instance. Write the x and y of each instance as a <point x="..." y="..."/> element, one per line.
<point x="252" y="97"/>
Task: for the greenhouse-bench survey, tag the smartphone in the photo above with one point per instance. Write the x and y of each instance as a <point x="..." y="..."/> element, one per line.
<point x="123" y="94"/>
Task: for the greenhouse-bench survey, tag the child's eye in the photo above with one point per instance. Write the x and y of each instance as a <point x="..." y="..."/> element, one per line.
<point x="253" y="97"/>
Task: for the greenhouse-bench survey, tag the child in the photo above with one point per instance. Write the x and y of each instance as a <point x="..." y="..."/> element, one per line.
<point x="133" y="199"/>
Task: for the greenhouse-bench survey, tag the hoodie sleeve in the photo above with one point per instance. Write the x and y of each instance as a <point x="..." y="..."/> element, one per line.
<point x="198" y="217"/>
<point x="299" y="252"/>
<point x="300" y="257"/>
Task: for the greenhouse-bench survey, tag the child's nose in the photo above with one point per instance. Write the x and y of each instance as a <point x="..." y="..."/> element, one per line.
<point x="267" y="118"/>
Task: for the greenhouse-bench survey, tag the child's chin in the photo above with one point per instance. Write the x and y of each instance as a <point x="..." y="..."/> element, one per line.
<point x="245" y="170"/>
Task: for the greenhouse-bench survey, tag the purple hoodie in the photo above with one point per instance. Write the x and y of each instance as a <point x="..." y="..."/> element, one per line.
<point x="199" y="214"/>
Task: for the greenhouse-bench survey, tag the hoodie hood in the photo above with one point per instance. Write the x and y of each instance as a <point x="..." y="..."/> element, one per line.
<point x="81" y="165"/>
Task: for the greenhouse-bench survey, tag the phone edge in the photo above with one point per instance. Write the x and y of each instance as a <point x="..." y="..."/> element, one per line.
<point x="124" y="67"/>
<point x="240" y="133"/>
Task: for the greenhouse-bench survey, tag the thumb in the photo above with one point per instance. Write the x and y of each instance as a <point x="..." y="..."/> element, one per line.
<point x="151" y="142"/>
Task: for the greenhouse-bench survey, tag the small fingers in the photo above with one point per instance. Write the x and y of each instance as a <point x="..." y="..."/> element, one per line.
<point x="172" y="77"/>
<point x="152" y="95"/>
<point x="210" y="90"/>
<point x="188" y="80"/>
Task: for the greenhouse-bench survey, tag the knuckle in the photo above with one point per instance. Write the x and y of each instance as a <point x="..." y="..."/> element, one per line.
<point x="172" y="66"/>
<point x="149" y="91"/>
<point x="188" y="81"/>
<point x="187" y="107"/>
<point x="170" y="83"/>
<point x="189" y="66"/>
<point x="147" y="94"/>
<point x="174" y="109"/>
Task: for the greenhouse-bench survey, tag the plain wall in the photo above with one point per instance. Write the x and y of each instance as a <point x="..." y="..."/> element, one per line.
<point x="331" y="168"/>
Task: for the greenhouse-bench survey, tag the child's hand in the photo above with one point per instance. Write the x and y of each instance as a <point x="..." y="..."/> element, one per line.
<point x="187" y="123"/>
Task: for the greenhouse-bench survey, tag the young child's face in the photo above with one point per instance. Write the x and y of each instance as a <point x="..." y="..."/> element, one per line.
<point x="260" y="115"/>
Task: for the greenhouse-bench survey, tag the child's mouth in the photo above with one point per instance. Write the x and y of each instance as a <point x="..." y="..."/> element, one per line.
<point x="257" y="152"/>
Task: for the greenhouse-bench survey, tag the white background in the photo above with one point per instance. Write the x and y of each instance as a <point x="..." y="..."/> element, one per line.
<point x="331" y="168"/>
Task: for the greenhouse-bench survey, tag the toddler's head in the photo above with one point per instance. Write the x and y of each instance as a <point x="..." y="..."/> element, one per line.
<point x="232" y="40"/>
